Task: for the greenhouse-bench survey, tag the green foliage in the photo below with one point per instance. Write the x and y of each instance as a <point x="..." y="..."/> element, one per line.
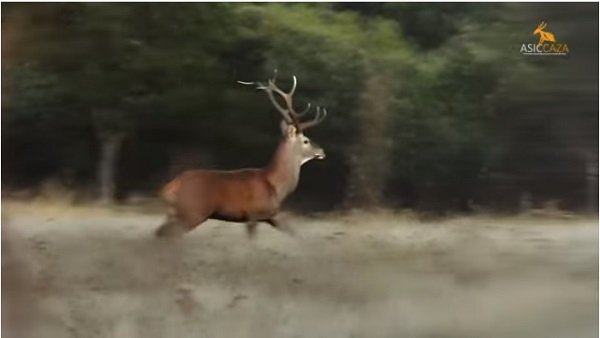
<point x="164" y="76"/>
<point x="443" y="139"/>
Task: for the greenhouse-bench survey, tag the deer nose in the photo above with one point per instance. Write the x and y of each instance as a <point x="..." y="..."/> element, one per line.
<point x="320" y="154"/>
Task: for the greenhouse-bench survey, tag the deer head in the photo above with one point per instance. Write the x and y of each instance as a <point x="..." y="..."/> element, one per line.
<point x="291" y="127"/>
<point x="540" y="27"/>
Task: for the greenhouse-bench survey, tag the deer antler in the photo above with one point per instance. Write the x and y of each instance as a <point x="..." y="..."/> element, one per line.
<point x="289" y="114"/>
<point x="318" y="119"/>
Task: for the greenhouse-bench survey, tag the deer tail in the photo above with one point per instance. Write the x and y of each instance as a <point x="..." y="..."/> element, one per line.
<point x="169" y="192"/>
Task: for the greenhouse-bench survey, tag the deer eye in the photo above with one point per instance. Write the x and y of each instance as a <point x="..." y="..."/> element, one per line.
<point x="305" y="141"/>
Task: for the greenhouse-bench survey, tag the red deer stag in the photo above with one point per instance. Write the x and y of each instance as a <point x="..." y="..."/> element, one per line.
<point x="247" y="195"/>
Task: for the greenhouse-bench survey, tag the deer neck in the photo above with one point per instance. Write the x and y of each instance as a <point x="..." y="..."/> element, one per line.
<point x="283" y="171"/>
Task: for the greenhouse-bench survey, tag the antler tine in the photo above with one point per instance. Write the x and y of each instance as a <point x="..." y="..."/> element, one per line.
<point x="318" y="119"/>
<point x="269" y="89"/>
<point x="291" y="93"/>
<point x="245" y="83"/>
<point x="306" y="110"/>
<point x="288" y="113"/>
<point x="288" y="99"/>
<point x="286" y="96"/>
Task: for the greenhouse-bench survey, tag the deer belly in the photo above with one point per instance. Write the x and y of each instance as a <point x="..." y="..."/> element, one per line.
<point x="229" y="217"/>
<point x="244" y="214"/>
<point x="241" y="217"/>
<point x="245" y="201"/>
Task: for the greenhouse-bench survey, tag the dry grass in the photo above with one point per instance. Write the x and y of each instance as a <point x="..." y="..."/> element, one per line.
<point x="98" y="272"/>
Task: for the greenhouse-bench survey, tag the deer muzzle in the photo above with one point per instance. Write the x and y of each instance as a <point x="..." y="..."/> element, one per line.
<point x="320" y="154"/>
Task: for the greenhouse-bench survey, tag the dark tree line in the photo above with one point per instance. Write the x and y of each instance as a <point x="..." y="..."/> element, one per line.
<point x="431" y="105"/>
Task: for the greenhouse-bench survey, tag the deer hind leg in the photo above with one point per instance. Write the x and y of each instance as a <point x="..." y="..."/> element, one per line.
<point x="191" y="218"/>
<point x="178" y="223"/>
<point x="171" y="227"/>
<point x="168" y="229"/>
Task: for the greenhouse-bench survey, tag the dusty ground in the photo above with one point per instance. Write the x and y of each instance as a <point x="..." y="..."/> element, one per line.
<point x="102" y="274"/>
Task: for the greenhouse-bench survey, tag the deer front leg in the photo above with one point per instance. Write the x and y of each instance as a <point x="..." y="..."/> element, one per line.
<point x="251" y="229"/>
<point x="281" y="226"/>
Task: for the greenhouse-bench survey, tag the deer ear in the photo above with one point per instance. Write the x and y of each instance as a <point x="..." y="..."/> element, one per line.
<point x="288" y="130"/>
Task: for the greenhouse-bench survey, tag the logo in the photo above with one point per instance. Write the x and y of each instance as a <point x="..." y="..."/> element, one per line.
<point x="547" y="44"/>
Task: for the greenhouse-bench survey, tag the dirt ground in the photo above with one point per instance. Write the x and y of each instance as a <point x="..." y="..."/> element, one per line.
<point x="93" y="273"/>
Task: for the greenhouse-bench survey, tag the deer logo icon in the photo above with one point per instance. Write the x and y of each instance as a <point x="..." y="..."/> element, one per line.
<point x="544" y="36"/>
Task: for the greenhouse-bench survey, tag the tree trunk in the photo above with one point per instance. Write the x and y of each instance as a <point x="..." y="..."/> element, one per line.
<point x="107" y="165"/>
<point x="591" y="163"/>
<point x="369" y="155"/>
